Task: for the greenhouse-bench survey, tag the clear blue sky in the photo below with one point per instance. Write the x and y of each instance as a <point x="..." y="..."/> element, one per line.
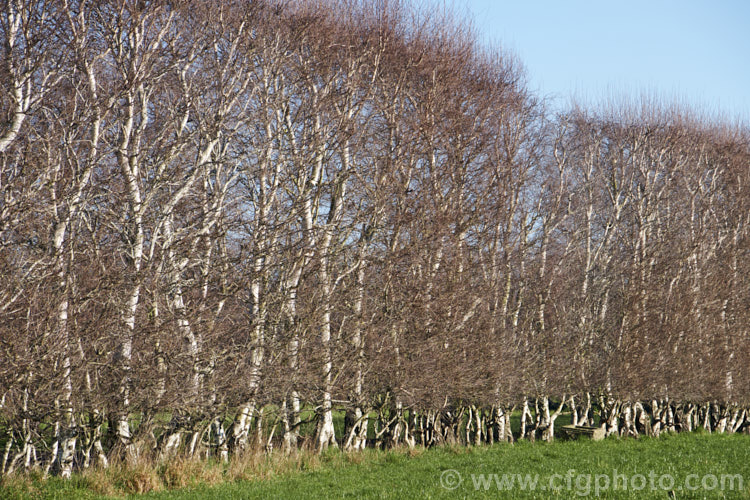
<point x="695" y="51"/>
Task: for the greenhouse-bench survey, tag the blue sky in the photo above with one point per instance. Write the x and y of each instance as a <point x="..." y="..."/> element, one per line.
<point x="692" y="51"/>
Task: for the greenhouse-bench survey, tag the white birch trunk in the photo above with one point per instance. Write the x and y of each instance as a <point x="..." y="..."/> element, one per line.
<point x="549" y="419"/>
<point x="241" y="428"/>
<point x="357" y="439"/>
<point x="220" y="441"/>
<point x="326" y="435"/>
<point x="177" y="304"/>
<point x="127" y="160"/>
<point x="291" y="405"/>
<point x="501" y="420"/>
<point x="22" y="80"/>
<point x="170" y="446"/>
<point x="65" y="450"/>
<point x="525" y="418"/>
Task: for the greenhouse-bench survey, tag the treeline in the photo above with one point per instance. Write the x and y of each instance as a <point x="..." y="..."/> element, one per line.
<point x="220" y="218"/>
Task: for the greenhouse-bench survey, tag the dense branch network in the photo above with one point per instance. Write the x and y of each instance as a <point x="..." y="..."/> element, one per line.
<point x="221" y="224"/>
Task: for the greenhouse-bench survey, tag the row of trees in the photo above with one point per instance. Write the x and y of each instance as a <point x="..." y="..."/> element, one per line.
<point x="225" y="221"/>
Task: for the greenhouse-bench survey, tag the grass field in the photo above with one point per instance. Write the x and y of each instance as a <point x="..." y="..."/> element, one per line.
<point x="673" y="466"/>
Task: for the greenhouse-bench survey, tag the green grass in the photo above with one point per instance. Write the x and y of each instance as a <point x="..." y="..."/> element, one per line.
<point x="417" y="474"/>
